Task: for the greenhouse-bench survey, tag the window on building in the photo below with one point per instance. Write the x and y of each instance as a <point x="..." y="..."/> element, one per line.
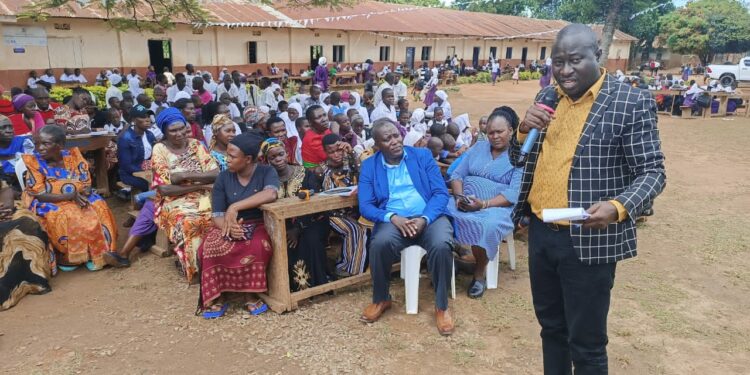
<point x="252" y="52"/>
<point x="426" y="51"/>
<point x="385" y="53"/>
<point x="509" y="53"/>
<point x="543" y="53"/>
<point x="493" y="52"/>
<point x="338" y="53"/>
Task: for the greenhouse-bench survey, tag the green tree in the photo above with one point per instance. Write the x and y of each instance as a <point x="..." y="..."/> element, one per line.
<point x="614" y="14"/>
<point x="707" y="27"/>
<point x="158" y="14"/>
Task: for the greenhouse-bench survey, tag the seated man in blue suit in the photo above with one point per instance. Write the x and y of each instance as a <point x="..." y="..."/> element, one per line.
<point x="402" y="192"/>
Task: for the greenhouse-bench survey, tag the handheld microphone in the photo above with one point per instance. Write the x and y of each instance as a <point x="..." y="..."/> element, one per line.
<point x="548" y="102"/>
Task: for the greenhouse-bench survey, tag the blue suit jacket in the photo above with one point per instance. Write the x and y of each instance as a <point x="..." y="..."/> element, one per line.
<point x="373" y="189"/>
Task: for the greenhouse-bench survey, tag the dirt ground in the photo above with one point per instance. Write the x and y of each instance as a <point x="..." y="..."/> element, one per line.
<point x="680" y="307"/>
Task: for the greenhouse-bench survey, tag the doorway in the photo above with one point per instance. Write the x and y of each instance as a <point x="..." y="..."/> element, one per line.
<point x="475" y="57"/>
<point x="410" y="51"/>
<point x="160" y="54"/>
<point x="316" y="52"/>
<point x="524" y="52"/>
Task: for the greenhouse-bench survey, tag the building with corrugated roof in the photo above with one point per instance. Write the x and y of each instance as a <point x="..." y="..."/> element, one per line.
<point x="248" y="37"/>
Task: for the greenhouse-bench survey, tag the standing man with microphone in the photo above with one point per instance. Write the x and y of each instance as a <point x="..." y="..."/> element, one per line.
<point x="600" y="151"/>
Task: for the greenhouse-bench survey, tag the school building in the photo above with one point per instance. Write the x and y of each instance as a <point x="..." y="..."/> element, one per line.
<point x="248" y="37"/>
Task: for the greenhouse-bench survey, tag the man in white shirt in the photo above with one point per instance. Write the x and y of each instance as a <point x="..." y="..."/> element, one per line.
<point x="48" y="77"/>
<point x="189" y="75"/>
<point x="209" y="84"/>
<point x="241" y="88"/>
<point x="180" y="85"/>
<point x="386" y="108"/>
<point x="399" y="88"/>
<point x="133" y="74"/>
<point x="66" y="76"/>
<point x="31" y="82"/>
<point x="115" y="81"/>
<point x="228" y="87"/>
<point x="78" y="77"/>
<point x="390" y="78"/>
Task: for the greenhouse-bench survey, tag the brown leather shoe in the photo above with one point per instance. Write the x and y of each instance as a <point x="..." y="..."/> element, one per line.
<point x="373" y="311"/>
<point x="444" y="322"/>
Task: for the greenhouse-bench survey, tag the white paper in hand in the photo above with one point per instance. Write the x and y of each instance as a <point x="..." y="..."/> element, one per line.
<point x="551" y="215"/>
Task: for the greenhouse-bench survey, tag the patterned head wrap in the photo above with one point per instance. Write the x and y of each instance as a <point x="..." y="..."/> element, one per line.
<point x="250" y="115"/>
<point x="219" y="122"/>
<point x="269" y="145"/>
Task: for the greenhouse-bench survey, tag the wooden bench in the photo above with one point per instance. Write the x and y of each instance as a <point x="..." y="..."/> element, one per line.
<point x="687" y="112"/>
<point x="279" y="296"/>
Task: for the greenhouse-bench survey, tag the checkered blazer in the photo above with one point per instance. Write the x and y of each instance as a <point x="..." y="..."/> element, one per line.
<point x="618" y="157"/>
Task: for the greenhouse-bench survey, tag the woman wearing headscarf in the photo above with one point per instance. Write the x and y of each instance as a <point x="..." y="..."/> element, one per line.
<point x="355" y="101"/>
<point x="307" y="236"/>
<point x="428" y="93"/>
<point x="210" y="111"/>
<point x="236" y="249"/>
<point x="222" y="132"/>
<point x="441" y="100"/>
<point x="183" y="174"/>
<point x="79" y="223"/>
<point x="321" y="74"/>
<point x="416" y="122"/>
<point x="27" y="119"/>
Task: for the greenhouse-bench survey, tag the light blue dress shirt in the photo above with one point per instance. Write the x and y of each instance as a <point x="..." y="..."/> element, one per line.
<point x="404" y="200"/>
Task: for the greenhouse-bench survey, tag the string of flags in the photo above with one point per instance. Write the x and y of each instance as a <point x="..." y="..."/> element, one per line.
<point x="402" y="38"/>
<point x="649" y="10"/>
<point x="305" y="22"/>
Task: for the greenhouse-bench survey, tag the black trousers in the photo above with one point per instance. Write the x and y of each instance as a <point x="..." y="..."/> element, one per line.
<point x="571" y="302"/>
<point x="385" y="248"/>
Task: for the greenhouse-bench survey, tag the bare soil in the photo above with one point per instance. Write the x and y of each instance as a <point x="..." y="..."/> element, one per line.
<point x="680" y="307"/>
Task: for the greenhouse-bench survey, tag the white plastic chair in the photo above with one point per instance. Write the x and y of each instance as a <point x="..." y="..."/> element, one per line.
<point x="411" y="257"/>
<point x="493" y="267"/>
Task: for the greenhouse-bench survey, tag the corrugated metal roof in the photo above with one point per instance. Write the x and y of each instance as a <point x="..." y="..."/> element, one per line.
<point x="392" y="19"/>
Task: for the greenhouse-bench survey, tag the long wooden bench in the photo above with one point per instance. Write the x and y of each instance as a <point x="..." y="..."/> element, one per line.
<point x="279" y="296"/>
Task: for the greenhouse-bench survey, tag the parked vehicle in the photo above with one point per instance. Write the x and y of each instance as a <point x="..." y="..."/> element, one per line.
<point x="729" y="75"/>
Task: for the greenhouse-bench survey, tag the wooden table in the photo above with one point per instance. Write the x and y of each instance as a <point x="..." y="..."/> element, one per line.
<point x="346" y="77"/>
<point x="672" y="92"/>
<point x="300" y="79"/>
<point x="279" y="297"/>
<point x="723" y="102"/>
<point x="96" y="143"/>
<point x="745" y="101"/>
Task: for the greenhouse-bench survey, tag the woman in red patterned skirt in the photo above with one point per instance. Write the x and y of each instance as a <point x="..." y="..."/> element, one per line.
<point x="235" y="252"/>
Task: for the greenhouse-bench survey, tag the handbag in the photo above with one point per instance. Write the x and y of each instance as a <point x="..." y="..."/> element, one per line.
<point x="704" y="100"/>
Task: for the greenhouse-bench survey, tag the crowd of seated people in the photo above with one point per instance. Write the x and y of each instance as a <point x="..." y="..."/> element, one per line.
<point x="215" y="155"/>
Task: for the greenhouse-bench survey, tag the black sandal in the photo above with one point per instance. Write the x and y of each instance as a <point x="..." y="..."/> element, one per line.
<point x="116" y="260"/>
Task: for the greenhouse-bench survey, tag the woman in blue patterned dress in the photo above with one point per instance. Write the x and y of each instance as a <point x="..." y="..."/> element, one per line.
<point x="485" y="189"/>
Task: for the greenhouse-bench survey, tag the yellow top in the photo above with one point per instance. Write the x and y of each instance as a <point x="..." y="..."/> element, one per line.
<point x="550" y="187"/>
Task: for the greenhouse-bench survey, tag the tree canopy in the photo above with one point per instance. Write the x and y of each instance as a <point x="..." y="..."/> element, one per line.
<point x="159" y="15"/>
<point x="707" y="27"/>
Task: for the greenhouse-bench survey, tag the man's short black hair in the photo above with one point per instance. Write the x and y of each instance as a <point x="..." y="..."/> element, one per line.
<point x="309" y="113"/>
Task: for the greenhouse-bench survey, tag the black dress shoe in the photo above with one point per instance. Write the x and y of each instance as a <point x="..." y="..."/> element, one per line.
<point x="477" y="288"/>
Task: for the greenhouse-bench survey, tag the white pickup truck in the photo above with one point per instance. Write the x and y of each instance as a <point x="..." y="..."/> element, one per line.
<point x="729" y="75"/>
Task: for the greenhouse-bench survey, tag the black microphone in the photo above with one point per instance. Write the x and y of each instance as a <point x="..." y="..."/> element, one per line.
<point x="548" y="102"/>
